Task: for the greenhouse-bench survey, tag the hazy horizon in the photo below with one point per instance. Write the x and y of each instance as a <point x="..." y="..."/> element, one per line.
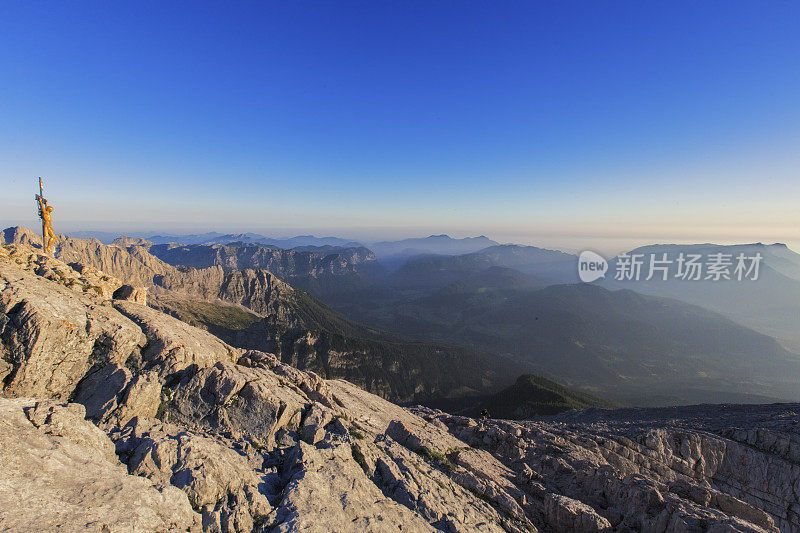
<point x="564" y="242"/>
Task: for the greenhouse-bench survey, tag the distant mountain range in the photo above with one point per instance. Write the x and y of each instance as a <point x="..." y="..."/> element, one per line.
<point x="201" y="238"/>
<point x="770" y="304"/>
<point x="394" y="253"/>
<point x="497" y="267"/>
<point x="252" y="238"/>
<point x="310" y="240"/>
<point x="548" y="266"/>
<point x="391" y="250"/>
<point x="620" y="344"/>
<point x="385" y="250"/>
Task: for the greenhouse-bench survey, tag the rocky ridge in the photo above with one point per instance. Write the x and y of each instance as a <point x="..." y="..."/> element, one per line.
<point x="259" y="290"/>
<point x="283" y="263"/>
<point x="190" y="433"/>
<point x="294" y="325"/>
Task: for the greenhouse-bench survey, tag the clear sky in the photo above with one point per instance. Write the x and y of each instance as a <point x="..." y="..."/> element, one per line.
<point x="592" y="123"/>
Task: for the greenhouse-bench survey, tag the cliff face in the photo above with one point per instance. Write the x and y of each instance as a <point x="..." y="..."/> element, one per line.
<point x="282" y="263"/>
<point x="259" y="290"/>
<point x="323" y="271"/>
<point x="191" y="433"/>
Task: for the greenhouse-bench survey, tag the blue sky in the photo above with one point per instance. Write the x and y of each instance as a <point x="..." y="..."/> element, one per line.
<point x="572" y="123"/>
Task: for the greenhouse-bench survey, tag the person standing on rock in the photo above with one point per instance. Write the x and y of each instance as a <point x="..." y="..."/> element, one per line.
<point x="47" y="227"/>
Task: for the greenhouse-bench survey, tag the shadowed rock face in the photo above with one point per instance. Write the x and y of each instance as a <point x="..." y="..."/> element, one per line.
<point x="222" y="439"/>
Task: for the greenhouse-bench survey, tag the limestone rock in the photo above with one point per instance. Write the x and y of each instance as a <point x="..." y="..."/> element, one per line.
<point x="427" y="485"/>
<point x="51" y="337"/>
<point x="21" y="235"/>
<point x="326" y="490"/>
<point x="83" y="279"/>
<point x="66" y="420"/>
<point x="132" y="264"/>
<point x="59" y="472"/>
<point x="316" y="419"/>
<point x="248" y="403"/>
<point x="566" y="514"/>
<point x="172" y="345"/>
<point x="672" y="473"/>
<point x="219" y="480"/>
<point x="142" y="398"/>
<point x="101" y="391"/>
<point x="113" y="394"/>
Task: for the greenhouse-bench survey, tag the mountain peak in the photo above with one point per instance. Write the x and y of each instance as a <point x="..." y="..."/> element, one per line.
<point x="441" y="244"/>
<point x="20" y="235"/>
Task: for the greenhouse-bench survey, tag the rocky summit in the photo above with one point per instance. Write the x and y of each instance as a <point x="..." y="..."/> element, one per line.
<point x="117" y="417"/>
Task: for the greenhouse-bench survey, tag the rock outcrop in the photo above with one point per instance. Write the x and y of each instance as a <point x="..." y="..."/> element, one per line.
<point x="59" y="472"/>
<point x="52" y="334"/>
<point x="131" y="293"/>
<point x="80" y="278"/>
<point x="726" y="468"/>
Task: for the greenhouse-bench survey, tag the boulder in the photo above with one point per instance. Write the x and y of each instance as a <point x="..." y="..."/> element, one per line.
<point x="131" y="294"/>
